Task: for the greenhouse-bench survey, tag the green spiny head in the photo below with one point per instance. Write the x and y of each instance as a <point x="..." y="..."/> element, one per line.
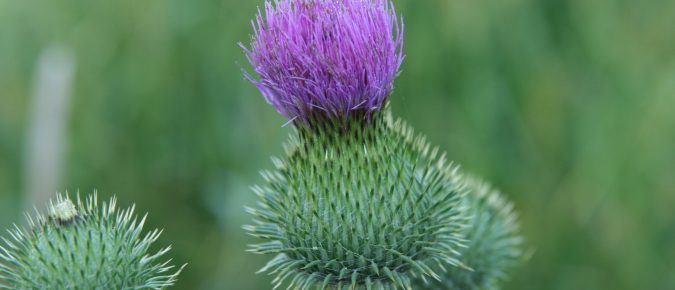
<point x="493" y="246"/>
<point x="81" y="246"/>
<point x="358" y="205"/>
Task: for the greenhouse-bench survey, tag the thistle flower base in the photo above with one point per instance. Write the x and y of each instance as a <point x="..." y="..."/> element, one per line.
<point x="358" y="206"/>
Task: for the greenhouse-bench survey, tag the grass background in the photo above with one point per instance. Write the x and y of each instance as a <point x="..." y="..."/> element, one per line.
<point x="567" y="105"/>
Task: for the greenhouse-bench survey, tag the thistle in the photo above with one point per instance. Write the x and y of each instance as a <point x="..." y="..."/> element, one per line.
<point x="81" y="246"/>
<point x="359" y="201"/>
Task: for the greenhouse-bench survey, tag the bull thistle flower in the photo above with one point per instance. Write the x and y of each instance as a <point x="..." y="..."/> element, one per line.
<point x="359" y="201"/>
<point x="326" y="58"/>
<point x="79" y="246"/>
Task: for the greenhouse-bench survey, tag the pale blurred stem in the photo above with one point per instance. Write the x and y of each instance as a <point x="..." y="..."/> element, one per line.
<point x="47" y="135"/>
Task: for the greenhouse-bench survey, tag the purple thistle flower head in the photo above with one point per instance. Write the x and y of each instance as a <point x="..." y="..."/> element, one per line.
<point x="326" y="58"/>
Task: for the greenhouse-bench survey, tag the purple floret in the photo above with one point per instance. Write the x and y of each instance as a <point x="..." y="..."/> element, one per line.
<point x="326" y="58"/>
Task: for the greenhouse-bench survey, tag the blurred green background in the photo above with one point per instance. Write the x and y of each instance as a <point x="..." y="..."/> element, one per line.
<point x="567" y="105"/>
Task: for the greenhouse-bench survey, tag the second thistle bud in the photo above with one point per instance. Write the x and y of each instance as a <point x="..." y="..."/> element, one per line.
<point x="493" y="245"/>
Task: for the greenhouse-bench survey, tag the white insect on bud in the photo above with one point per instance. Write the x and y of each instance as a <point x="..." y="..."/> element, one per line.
<point x="64" y="211"/>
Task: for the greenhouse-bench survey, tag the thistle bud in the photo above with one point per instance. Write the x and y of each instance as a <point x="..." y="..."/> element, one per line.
<point x="81" y="246"/>
<point x="493" y="246"/>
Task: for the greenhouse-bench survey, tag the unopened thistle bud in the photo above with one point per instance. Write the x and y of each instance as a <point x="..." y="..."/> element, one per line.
<point x="493" y="246"/>
<point x="81" y="246"/>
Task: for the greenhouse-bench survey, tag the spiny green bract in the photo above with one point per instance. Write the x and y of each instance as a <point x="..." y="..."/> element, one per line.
<point x="493" y="242"/>
<point x="358" y="205"/>
<point x="79" y="246"/>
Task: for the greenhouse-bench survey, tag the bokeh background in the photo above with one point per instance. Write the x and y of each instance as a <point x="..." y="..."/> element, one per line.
<point x="566" y="105"/>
